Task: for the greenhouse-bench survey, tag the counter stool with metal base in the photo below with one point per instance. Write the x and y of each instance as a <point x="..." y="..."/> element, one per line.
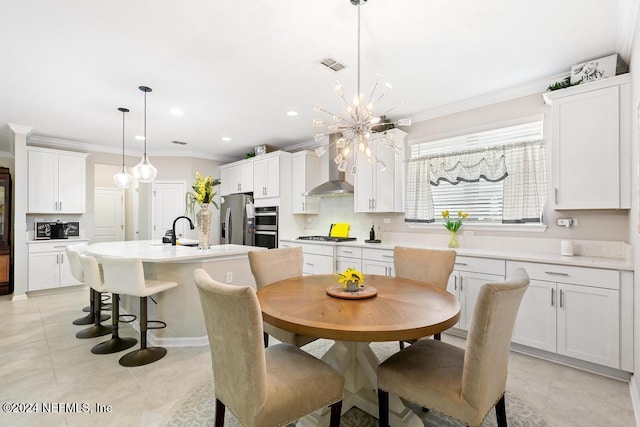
<point x="116" y="343"/>
<point x="73" y="253"/>
<point x="95" y="282"/>
<point x="125" y="276"/>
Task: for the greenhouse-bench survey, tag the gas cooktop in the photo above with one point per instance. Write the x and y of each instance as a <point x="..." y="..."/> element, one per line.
<point x="327" y="238"/>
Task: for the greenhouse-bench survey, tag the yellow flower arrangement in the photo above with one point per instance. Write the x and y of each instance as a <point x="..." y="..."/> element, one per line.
<point x="202" y="192"/>
<point x="351" y="275"/>
<point x="451" y="224"/>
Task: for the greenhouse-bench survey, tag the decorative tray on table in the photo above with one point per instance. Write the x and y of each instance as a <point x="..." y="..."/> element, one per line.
<point x="338" y="291"/>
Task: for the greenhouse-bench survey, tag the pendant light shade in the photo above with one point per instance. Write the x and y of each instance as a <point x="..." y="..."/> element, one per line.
<point x="145" y="171"/>
<point x="123" y="179"/>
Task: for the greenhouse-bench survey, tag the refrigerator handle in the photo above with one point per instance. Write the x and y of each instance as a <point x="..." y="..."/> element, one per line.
<point x="227" y="221"/>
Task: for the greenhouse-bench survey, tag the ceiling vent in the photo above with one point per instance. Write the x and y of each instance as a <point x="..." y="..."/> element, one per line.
<point x="179" y="142"/>
<point x="332" y="64"/>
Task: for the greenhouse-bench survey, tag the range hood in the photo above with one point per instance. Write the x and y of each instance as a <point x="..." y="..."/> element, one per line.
<point x="336" y="186"/>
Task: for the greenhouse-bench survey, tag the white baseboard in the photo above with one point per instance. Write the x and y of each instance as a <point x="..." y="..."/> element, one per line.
<point x="635" y="399"/>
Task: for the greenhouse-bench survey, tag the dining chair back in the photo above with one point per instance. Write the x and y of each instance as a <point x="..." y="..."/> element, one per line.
<point x="273" y="265"/>
<point x="463" y="384"/>
<point x="433" y="266"/>
<point x="262" y="387"/>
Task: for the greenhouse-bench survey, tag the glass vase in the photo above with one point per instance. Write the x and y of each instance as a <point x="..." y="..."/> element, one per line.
<point x="453" y="241"/>
<point x="203" y="222"/>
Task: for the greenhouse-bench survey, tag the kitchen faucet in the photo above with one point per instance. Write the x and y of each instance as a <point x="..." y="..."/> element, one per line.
<point x="173" y="228"/>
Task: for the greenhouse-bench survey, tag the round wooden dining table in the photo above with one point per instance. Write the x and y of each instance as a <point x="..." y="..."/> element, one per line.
<point x="402" y="309"/>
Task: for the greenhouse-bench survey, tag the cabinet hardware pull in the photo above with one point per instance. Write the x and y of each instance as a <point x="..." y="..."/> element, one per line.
<point x="347" y="252"/>
<point x="55" y="206"/>
<point x="387" y="256"/>
<point x="61" y="258"/>
<point x="308" y="263"/>
<point x="561" y="298"/>
<point x="554" y="273"/>
<point x="460" y="283"/>
<point x="555" y="195"/>
<point x="553" y="297"/>
<point x="60" y="204"/>
<point x="374" y="203"/>
<point x="460" y="263"/>
<point x="455" y="283"/>
<point x="303" y="206"/>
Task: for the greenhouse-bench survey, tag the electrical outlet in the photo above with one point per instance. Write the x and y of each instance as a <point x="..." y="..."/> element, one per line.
<point x="566" y="222"/>
<point x="387" y="220"/>
<point x="229" y="276"/>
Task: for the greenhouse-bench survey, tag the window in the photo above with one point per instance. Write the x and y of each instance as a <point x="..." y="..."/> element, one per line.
<point x="495" y="176"/>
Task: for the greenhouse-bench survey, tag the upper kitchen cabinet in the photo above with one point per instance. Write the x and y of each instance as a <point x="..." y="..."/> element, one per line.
<point x="56" y="181"/>
<point x="304" y="176"/>
<point x="590" y="136"/>
<point x="266" y="177"/>
<point x="381" y="191"/>
<point x="236" y="177"/>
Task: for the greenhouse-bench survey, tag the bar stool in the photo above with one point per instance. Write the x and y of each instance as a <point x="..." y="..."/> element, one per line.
<point x="125" y="276"/>
<point x="73" y="253"/>
<point x="94" y="280"/>
<point x="116" y="343"/>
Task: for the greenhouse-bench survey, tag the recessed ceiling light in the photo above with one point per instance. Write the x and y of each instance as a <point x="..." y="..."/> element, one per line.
<point x="226" y="138"/>
<point x="177" y="112"/>
<point x="140" y="137"/>
<point x="292" y="113"/>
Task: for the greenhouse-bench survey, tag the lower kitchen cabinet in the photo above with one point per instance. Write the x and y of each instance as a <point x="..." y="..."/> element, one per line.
<point x="377" y="261"/>
<point x="318" y="258"/>
<point x="579" y="319"/>
<point x="49" y="266"/>
<point x="348" y="257"/>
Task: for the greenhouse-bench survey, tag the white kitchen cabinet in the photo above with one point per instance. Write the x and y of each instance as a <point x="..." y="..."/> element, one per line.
<point x="49" y="267"/>
<point x="377" y="261"/>
<point x="583" y="306"/>
<point x="56" y="181"/>
<point x="236" y="178"/>
<point x="467" y="278"/>
<point x="266" y="177"/>
<point x="381" y="191"/>
<point x="590" y="136"/>
<point x="318" y="258"/>
<point x="224" y="181"/>
<point x="348" y="257"/>
<point x="304" y="176"/>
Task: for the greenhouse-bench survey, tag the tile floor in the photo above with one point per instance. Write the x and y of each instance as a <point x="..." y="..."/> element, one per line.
<point x="42" y="361"/>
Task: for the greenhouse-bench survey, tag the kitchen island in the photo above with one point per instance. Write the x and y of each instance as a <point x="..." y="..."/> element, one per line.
<point x="179" y="307"/>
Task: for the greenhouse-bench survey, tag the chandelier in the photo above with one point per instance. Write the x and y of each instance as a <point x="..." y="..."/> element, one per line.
<point x="358" y="125"/>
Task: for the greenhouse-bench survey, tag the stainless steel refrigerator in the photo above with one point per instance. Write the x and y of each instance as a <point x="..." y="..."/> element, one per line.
<point x="237" y="220"/>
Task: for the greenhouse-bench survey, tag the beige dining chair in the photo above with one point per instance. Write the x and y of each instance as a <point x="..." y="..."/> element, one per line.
<point x="433" y="266"/>
<point x="461" y="383"/>
<point x="261" y="386"/>
<point x="271" y="266"/>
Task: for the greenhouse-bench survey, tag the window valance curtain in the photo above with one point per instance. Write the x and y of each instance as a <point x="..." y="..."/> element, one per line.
<point x="521" y="165"/>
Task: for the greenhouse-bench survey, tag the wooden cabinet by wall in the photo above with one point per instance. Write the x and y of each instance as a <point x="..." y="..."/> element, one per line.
<point x="381" y="191"/>
<point x="591" y="144"/>
<point x="6" y="276"/>
<point x="56" y="181"/>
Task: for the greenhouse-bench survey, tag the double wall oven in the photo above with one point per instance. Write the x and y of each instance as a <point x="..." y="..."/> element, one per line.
<point x="266" y="227"/>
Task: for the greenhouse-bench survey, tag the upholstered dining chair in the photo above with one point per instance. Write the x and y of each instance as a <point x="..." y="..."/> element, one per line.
<point x="433" y="266"/>
<point x="463" y="384"/>
<point x="263" y="387"/>
<point x="271" y="266"/>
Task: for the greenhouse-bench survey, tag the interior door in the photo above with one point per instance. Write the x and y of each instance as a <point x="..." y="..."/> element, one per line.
<point x="168" y="204"/>
<point x="109" y="215"/>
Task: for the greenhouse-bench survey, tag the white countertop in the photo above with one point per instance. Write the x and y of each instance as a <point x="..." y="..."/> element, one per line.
<point x="155" y="251"/>
<point x="583" y="261"/>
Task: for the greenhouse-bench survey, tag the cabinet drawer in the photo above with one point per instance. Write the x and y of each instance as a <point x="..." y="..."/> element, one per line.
<point x="349" y="251"/>
<point x="317" y="249"/>
<point x="480" y="265"/>
<point x="378" y="254"/>
<point x="609" y="279"/>
<point x="317" y="264"/>
<point x="49" y="246"/>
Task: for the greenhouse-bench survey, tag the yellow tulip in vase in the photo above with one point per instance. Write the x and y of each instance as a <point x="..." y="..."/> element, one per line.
<point x="202" y="194"/>
<point x="453" y="225"/>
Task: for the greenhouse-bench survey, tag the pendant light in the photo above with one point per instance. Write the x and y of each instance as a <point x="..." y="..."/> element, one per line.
<point x="145" y="171"/>
<point x="123" y="179"/>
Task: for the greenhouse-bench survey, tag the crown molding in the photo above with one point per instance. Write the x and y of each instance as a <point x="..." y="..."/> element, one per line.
<point x="532" y="88"/>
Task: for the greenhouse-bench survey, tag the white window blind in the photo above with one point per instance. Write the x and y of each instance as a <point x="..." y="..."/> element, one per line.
<point x="482" y="200"/>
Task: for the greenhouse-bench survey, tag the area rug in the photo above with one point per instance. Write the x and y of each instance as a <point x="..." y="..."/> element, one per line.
<point x="198" y="406"/>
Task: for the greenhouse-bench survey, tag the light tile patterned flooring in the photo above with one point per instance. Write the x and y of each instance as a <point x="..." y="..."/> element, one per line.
<point x="42" y="361"/>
